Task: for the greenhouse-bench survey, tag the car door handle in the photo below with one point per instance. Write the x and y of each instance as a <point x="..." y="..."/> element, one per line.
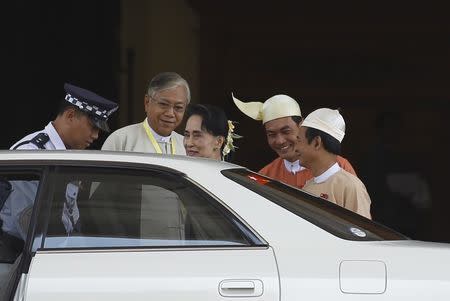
<point x="241" y="288"/>
<point x="238" y="285"/>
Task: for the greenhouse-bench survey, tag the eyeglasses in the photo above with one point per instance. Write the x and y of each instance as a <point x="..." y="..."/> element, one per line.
<point x="165" y="106"/>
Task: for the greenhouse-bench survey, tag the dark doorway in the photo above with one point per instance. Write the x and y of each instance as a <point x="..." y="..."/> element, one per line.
<point x="49" y="43"/>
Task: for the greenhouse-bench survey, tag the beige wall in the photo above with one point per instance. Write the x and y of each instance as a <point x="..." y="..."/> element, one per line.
<point x="164" y="37"/>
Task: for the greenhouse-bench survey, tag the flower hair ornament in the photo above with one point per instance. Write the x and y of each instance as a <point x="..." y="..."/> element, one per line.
<point x="229" y="139"/>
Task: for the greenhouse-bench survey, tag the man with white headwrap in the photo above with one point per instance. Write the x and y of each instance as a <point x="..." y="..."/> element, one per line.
<point x="318" y="145"/>
<point x="281" y="117"/>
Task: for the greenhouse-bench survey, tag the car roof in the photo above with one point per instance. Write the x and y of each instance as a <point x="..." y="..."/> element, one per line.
<point x="181" y="163"/>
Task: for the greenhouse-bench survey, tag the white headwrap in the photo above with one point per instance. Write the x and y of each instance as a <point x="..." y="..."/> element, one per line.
<point x="327" y="120"/>
<point x="277" y="106"/>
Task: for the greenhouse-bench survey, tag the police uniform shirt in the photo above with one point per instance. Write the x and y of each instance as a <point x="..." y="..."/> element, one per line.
<point x="17" y="208"/>
<point x="54" y="142"/>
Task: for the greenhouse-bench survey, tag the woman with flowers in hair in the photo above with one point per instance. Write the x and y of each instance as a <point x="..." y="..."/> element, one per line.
<point x="208" y="133"/>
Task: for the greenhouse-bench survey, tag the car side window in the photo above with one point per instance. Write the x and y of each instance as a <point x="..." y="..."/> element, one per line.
<point x="18" y="190"/>
<point x="330" y="217"/>
<point x="106" y="207"/>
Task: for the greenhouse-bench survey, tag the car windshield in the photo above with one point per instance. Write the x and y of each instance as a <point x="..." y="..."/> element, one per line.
<point x="322" y="213"/>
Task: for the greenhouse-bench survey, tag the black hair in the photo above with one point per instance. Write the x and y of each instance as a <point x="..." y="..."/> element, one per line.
<point x="330" y="143"/>
<point x="214" y="120"/>
<point x="297" y="119"/>
<point x="65" y="105"/>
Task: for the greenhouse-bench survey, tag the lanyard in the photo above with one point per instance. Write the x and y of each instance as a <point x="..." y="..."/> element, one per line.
<point x="153" y="140"/>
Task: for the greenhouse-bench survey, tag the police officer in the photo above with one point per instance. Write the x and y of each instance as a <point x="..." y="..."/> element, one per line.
<point x="81" y="115"/>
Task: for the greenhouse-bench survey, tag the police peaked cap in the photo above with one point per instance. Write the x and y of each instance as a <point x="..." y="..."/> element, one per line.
<point x="98" y="108"/>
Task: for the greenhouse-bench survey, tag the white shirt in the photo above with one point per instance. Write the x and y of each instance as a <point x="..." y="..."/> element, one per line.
<point x="293" y="167"/>
<point x="327" y="174"/>
<point x="158" y="137"/>
<point x="163" y="141"/>
<point x="55" y="142"/>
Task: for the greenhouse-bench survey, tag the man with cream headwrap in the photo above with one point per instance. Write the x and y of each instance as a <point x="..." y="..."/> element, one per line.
<point x="281" y="117"/>
<point x="318" y="145"/>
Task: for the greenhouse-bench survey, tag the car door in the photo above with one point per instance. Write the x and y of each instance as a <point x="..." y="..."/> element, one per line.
<point x="19" y="187"/>
<point x="121" y="233"/>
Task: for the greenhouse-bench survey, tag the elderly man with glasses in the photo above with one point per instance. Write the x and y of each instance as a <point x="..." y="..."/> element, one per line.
<point x="167" y="96"/>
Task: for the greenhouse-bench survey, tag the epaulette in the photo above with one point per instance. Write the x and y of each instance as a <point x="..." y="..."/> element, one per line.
<point x="39" y="140"/>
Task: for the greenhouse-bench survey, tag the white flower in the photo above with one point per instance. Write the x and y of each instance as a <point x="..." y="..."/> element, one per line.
<point x="229" y="139"/>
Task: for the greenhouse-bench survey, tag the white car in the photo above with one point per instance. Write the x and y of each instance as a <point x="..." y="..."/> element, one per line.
<point x="131" y="226"/>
